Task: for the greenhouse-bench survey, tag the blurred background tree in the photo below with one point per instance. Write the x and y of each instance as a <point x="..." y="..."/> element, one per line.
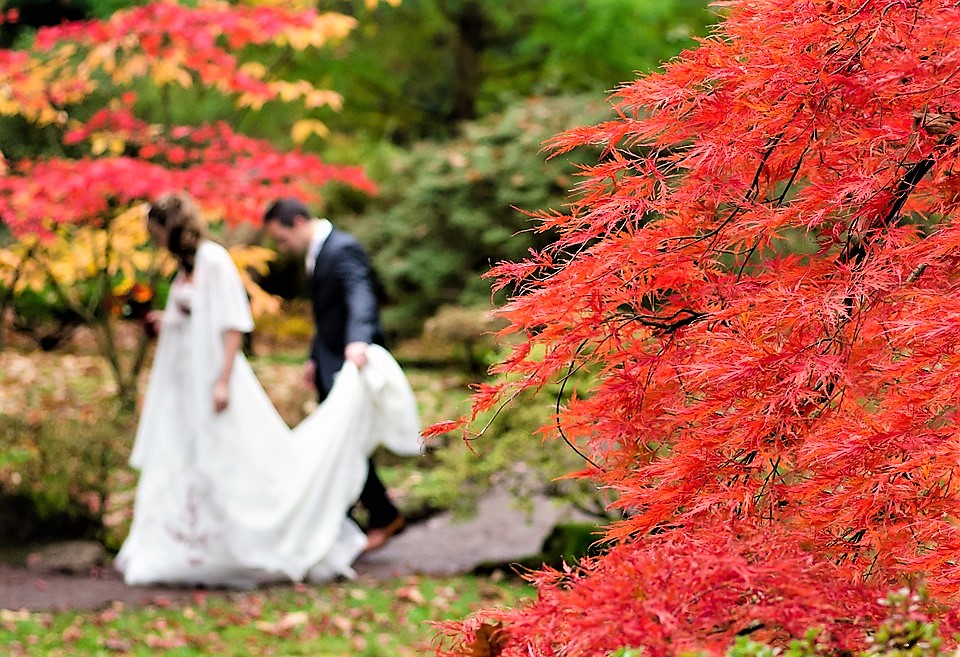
<point x="447" y="104"/>
<point x="449" y="209"/>
<point x="416" y="70"/>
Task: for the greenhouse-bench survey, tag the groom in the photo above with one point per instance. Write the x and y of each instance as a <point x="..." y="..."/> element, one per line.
<point x="347" y="319"/>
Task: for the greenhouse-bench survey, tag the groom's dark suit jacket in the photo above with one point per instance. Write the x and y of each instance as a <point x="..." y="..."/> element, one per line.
<point x="344" y="305"/>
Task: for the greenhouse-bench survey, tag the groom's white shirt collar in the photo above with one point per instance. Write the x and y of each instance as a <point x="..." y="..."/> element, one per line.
<point x="321" y="231"/>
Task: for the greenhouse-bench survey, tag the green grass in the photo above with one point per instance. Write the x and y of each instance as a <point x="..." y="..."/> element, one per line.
<point x="364" y="618"/>
<point x="280" y="358"/>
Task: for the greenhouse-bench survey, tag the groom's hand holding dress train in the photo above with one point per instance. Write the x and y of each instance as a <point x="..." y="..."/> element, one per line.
<point x="347" y="319"/>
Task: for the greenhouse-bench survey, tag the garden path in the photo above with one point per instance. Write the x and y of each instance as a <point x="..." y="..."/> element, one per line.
<point x="500" y="532"/>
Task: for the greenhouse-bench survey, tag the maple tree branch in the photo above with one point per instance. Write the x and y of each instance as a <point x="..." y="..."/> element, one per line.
<point x="500" y="408"/>
<point x="106" y="347"/>
<point x="746" y="260"/>
<point x="796" y="170"/>
<point x="753" y="190"/>
<point x="916" y="273"/>
<point x="671" y="323"/>
<point x="763" y="492"/>
<point x="937" y="124"/>
<point x="855" y="250"/>
<point x="906" y="186"/>
<point x="563" y="385"/>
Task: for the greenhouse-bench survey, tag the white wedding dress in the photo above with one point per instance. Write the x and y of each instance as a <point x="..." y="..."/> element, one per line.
<point x="238" y="498"/>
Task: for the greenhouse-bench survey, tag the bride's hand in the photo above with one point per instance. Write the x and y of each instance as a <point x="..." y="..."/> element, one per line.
<point x="153" y="322"/>
<point x="221" y="396"/>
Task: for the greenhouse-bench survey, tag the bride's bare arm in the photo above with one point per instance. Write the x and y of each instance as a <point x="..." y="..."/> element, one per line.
<point x="232" y="340"/>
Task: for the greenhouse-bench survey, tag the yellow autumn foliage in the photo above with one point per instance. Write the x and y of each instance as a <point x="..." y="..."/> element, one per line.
<point x="257" y="258"/>
<point x="31" y="96"/>
<point x="120" y="255"/>
<point x="326" y="27"/>
<point x="301" y="130"/>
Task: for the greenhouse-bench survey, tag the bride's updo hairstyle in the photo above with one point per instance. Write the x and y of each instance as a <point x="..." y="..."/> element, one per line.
<point x="178" y="213"/>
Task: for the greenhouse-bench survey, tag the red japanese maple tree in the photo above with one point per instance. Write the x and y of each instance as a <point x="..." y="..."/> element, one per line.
<point x="761" y="275"/>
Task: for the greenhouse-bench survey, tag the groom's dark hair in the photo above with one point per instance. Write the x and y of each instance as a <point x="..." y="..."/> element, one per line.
<point x="285" y="211"/>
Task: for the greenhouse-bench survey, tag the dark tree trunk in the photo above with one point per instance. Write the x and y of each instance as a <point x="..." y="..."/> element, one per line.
<point x="470" y="40"/>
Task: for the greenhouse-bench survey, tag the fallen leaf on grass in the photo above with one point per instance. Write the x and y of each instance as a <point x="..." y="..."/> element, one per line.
<point x="109" y="615"/>
<point x="167" y="642"/>
<point x="117" y="645"/>
<point x="284" y="624"/>
<point x="162" y="601"/>
<point x="342" y="623"/>
<point x="9" y="615"/>
<point x="71" y="634"/>
<point x="359" y="644"/>
<point x="411" y="594"/>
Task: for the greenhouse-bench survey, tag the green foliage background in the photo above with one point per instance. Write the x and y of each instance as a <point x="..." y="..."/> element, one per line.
<point x="414" y="71"/>
<point x="448" y="210"/>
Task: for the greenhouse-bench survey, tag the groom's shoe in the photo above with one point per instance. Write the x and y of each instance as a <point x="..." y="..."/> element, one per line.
<point x="378" y="537"/>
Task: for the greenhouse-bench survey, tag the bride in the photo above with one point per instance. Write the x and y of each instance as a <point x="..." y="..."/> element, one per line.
<point x="228" y="494"/>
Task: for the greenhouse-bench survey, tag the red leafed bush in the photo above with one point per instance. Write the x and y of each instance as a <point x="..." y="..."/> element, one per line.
<point x="211" y="162"/>
<point x="761" y="275"/>
<point x="681" y="592"/>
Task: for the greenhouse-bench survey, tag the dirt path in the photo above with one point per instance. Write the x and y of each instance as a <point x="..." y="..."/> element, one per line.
<point x="499" y="533"/>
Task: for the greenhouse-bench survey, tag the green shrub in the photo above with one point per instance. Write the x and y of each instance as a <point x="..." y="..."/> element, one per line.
<point x="448" y="210"/>
<point x="511" y="456"/>
<point x="466" y="332"/>
<point x="58" y="474"/>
